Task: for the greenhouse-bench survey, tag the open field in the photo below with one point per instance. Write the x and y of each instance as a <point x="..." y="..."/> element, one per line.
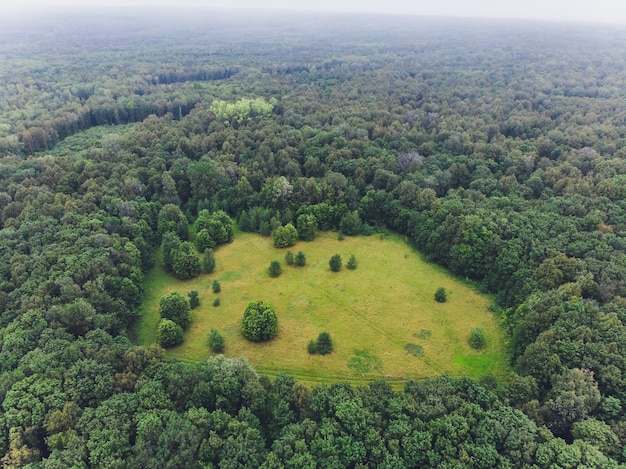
<point x="374" y="313"/>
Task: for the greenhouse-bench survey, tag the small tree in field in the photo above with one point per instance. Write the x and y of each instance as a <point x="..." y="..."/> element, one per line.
<point x="441" y="295"/>
<point x="352" y="263"/>
<point x="477" y="338"/>
<point x="259" y="322"/>
<point x="175" y="307"/>
<point x="275" y="269"/>
<point x="335" y="263"/>
<point x="300" y="259"/>
<point x="216" y="341"/>
<point x="216" y="286"/>
<point x="208" y="262"/>
<point x="289" y="258"/>
<point x="285" y="236"/>
<point x="169" y="333"/>
<point x="194" y="299"/>
<point x="323" y="345"/>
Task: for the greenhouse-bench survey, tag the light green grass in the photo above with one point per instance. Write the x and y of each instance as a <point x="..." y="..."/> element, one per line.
<point x="372" y="313"/>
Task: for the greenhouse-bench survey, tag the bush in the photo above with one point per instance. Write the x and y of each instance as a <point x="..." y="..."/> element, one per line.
<point x="289" y="258"/>
<point x="216" y="286"/>
<point x="169" y="333"/>
<point x="204" y="241"/>
<point x="352" y="263"/>
<point x="441" y="295"/>
<point x="194" y="299"/>
<point x="208" y="262"/>
<point x="335" y="263"/>
<point x="259" y="322"/>
<point x="477" y="338"/>
<point x="216" y="341"/>
<point x="216" y="302"/>
<point x="175" y="307"/>
<point x="300" y="259"/>
<point x="275" y="269"/>
<point x="323" y="345"/>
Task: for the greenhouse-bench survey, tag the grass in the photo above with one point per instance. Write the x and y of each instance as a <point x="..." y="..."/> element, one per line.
<point x="372" y="313"/>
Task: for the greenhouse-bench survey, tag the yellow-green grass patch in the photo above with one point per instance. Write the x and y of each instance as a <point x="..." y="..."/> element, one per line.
<point x="373" y="313"/>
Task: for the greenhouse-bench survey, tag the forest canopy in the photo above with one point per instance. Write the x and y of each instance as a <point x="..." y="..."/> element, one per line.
<point x="496" y="148"/>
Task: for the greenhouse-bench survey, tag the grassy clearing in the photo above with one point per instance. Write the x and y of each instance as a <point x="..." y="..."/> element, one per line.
<point x="373" y="313"/>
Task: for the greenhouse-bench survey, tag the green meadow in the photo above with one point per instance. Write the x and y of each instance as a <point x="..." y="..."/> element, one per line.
<point x="382" y="317"/>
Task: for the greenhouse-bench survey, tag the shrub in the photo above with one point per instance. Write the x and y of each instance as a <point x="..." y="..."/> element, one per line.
<point x="208" y="262"/>
<point x="175" y="307"/>
<point x="194" y="299"/>
<point x="335" y="263"/>
<point x="259" y="322"/>
<point x="169" y="333"/>
<point x="441" y="295"/>
<point x="323" y="345"/>
<point x="275" y="269"/>
<point x="204" y="241"/>
<point x="300" y="259"/>
<point x="216" y="286"/>
<point x="477" y="338"/>
<point x="216" y="341"/>
<point x="216" y="302"/>
<point x="352" y="263"/>
<point x="289" y="258"/>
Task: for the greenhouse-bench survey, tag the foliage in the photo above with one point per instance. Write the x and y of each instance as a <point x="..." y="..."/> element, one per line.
<point x="335" y="263"/>
<point x="204" y="241"/>
<point x="216" y="341"/>
<point x="194" y="299"/>
<point x="241" y="110"/>
<point x="186" y="264"/>
<point x="477" y="338"/>
<point x="352" y="262"/>
<point x="169" y="333"/>
<point x="441" y="295"/>
<point x="175" y="307"/>
<point x="323" y="345"/>
<point x="259" y="322"/>
<point x="208" y="261"/>
<point x="216" y="302"/>
<point x="300" y="259"/>
<point x="275" y="269"/>
<point x="289" y="258"/>
<point x="307" y="227"/>
<point x="216" y="286"/>
<point x="285" y="236"/>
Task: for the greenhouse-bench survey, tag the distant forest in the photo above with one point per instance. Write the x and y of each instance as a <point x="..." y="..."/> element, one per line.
<point x="498" y="148"/>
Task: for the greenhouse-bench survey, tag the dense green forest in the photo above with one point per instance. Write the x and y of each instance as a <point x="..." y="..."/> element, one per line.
<point x="497" y="148"/>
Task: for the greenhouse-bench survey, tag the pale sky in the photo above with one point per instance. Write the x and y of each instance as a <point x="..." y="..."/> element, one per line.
<point x="610" y="11"/>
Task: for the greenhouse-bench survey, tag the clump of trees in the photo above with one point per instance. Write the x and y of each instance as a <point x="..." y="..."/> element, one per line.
<point x="285" y="236"/>
<point x="322" y="346"/>
<point x="260" y="322"/>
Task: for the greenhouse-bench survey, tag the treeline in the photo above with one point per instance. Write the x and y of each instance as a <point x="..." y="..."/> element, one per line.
<point x="498" y="150"/>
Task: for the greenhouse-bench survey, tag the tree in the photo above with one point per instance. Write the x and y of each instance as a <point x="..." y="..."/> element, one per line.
<point x="307" y="227"/>
<point x="289" y="258"/>
<point x="335" y="263"/>
<point x="441" y="295"/>
<point x="216" y="341"/>
<point x="194" y="299"/>
<point x="275" y="269"/>
<point x="175" y="307"/>
<point x="169" y="246"/>
<point x="208" y="261"/>
<point x="352" y="263"/>
<point x="204" y="241"/>
<point x="477" y="339"/>
<point x="300" y="259"/>
<point x="351" y="224"/>
<point x="186" y="264"/>
<point x="169" y="333"/>
<point x="216" y="286"/>
<point x="259" y="322"/>
<point x="172" y="220"/>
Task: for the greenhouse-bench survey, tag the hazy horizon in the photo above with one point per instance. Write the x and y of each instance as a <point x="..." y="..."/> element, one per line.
<point x="600" y="11"/>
